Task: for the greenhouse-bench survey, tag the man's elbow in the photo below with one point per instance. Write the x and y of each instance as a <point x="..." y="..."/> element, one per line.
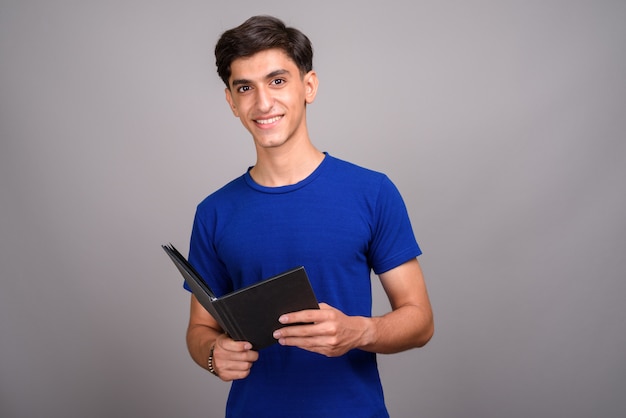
<point x="427" y="330"/>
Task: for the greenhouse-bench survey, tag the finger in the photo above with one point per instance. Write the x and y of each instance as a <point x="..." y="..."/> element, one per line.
<point x="233" y="365"/>
<point x="305" y="316"/>
<point x="228" y="350"/>
<point x="306" y="331"/>
<point x="230" y="364"/>
<point x="229" y="371"/>
<point x="314" y="344"/>
<point x="228" y="344"/>
<point x="300" y="316"/>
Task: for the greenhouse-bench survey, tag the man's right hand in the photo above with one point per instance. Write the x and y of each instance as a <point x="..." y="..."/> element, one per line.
<point x="232" y="360"/>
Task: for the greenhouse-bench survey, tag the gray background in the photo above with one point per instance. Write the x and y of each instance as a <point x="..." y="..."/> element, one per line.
<point x="502" y="122"/>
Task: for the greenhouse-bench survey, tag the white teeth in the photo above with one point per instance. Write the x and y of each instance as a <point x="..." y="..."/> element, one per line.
<point x="268" y="121"/>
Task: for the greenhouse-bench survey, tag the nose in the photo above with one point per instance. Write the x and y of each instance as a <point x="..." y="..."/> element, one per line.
<point x="264" y="100"/>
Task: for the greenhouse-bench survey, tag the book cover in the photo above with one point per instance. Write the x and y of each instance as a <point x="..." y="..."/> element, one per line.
<point x="251" y="313"/>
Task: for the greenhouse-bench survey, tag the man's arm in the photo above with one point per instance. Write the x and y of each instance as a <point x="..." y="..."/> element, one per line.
<point x="231" y="359"/>
<point x="332" y="333"/>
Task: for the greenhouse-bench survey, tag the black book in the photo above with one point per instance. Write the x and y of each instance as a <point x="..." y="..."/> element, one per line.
<point x="251" y="313"/>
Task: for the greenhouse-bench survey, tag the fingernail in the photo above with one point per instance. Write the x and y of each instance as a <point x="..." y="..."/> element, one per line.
<point x="276" y="334"/>
<point x="282" y="319"/>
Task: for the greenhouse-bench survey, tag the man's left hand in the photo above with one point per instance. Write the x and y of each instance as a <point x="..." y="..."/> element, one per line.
<point x="326" y="331"/>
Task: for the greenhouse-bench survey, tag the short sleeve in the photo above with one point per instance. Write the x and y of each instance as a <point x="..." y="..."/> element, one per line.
<point x="393" y="242"/>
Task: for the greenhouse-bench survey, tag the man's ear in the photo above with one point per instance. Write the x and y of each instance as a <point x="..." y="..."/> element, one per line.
<point x="310" y="86"/>
<point x="231" y="103"/>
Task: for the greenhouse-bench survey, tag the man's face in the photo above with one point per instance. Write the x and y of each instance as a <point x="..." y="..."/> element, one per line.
<point x="269" y="96"/>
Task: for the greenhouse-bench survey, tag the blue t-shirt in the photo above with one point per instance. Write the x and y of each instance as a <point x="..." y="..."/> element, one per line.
<point x="340" y="223"/>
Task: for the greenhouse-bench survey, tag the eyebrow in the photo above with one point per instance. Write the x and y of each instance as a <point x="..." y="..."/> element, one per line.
<point x="275" y="73"/>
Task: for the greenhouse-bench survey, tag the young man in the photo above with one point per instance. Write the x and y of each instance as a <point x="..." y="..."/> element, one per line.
<point x="299" y="206"/>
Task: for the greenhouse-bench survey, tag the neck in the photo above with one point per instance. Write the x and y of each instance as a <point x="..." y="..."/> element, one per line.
<point x="283" y="166"/>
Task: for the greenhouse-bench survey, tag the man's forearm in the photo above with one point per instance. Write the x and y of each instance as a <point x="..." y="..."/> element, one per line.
<point x="410" y="322"/>
<point x="199" y="341"/>
<point x="404" y="328"/>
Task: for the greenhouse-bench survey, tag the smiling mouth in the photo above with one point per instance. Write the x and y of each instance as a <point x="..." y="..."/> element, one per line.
<point x="268" y="121"/>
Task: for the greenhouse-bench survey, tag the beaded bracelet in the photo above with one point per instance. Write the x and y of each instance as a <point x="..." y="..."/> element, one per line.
<point x="210" y="363"/>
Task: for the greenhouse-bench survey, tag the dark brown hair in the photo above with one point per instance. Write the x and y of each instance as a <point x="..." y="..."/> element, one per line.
<point x="257" y="34"/>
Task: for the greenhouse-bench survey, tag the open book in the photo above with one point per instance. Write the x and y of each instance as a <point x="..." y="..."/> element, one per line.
<point x="251" y="314"/>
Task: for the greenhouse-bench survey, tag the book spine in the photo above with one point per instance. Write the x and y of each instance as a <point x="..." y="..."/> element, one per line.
<point x="230" y="323"/>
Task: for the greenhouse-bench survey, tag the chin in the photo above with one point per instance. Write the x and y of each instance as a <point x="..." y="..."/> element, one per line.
<point x="270" y="142"/>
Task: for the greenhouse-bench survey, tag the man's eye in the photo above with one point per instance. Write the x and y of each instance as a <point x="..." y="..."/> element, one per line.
<point x="243" y="89"/>
<point x="278" y="81"/>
